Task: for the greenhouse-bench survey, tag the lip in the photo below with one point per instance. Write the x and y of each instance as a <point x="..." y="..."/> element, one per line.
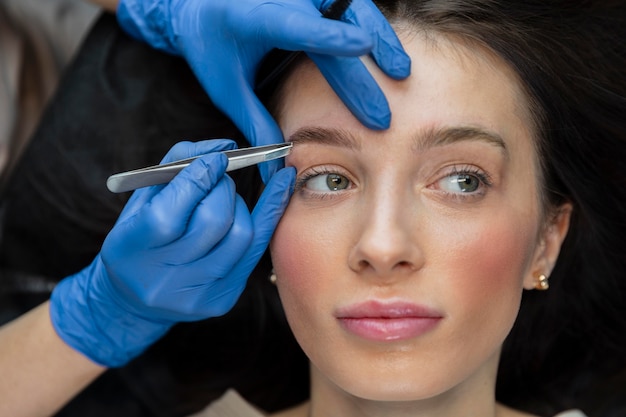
<point x="387" y="321"/>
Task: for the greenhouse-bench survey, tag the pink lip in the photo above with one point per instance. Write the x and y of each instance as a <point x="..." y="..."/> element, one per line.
<point x="379" y="321"/>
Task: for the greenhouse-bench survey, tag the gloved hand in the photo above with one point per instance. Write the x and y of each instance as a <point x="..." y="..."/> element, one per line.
<point x="225" y="40"/>
<point x="178" y="252"/>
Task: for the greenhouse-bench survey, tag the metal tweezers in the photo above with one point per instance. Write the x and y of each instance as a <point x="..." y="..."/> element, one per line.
<point x="161" y="174"/>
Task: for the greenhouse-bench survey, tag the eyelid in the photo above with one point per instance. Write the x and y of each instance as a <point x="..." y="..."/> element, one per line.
<point x="316" y="171"/>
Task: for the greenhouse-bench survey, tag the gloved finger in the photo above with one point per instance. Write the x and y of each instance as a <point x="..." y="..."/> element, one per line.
<point x="226" y="253"/>
<point x="165" y="218"/>
<point x="201" y="289"/>
<point x="387" y="50"/>
<point x="220" y="297"/>
<point x="222" y="294"/>
<point x="265" y="217"/>
<point x="356" y="87"/>
<point x="270" y="208"/>
<point x="175" y="293"/>
<point x="209" y="223"/>
<point x="137" y="200"/>
<point x="180" y="150"/>
<point x="187" y="149"/>
<point x="219" y="290"/>
<point x="299" y="31"/>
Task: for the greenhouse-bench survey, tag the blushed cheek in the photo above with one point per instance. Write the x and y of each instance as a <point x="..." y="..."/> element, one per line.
<point x="489" y="264"/>
<point x="293" y="250"/>
<point x="296" y="258"/>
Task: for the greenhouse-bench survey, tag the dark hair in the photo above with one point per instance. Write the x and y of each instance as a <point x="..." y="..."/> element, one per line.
<point x="570" y="57"/>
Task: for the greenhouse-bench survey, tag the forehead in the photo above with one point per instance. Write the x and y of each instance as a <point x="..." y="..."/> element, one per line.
<point x="452" y="82"/>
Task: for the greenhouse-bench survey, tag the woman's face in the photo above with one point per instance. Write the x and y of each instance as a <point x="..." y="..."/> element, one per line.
<point x="403" y="253"/>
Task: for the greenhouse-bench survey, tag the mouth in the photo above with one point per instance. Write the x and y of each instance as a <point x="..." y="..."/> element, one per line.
<point x="386" y="322"/>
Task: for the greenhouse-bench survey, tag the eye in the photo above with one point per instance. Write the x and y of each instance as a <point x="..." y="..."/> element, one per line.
<point x="333" y="182"/>
<point x="460" y="183"/>
<point x="323" y="181"/>
<point x="464" y="181"/>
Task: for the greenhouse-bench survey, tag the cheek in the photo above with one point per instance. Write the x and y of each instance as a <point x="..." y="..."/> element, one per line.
<point x="293" y="247"/>
<point x="486" y="263"/>
<point x="299" y="255"/>
<point x="302" y="263"/>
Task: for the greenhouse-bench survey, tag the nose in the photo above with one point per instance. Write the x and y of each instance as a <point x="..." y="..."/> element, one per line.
<point x="387" y="245"/>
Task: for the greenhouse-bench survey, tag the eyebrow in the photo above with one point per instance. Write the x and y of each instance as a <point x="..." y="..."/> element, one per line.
<point x="445" y="136"/>
<point x="325" y="136"/>
<point x="422" y="140"/>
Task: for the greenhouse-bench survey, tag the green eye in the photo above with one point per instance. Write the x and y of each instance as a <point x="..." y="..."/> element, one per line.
<point x="460" y="183"/>
<point x="336" y="182"/>
<point x="466" y="183"/>
<point x="325" y="182"/>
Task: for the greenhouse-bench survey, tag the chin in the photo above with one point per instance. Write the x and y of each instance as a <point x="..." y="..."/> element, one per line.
<point x="393" y="389"/>
<point x="394" y="393"/>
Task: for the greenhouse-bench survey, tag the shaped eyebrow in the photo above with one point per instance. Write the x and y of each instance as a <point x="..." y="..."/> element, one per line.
<point x="422" y="140"/>
<point x="449" y="135"/>
<point x="325" y="136"/>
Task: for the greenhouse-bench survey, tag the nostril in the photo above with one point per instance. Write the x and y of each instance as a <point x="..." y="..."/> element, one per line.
<point x="363" y="265"/>
<point x="404" y="264"/>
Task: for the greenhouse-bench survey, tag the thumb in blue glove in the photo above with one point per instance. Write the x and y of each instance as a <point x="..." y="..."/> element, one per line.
<point x="179" y="252"/>
<point x="224" y="42"/>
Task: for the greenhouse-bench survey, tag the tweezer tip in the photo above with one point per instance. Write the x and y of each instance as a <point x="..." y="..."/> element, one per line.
<point x="280" y="152"/>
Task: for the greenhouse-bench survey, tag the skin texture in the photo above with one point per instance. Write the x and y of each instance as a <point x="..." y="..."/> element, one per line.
<point x="399" y="229"/>
<point x="40" y="373"/>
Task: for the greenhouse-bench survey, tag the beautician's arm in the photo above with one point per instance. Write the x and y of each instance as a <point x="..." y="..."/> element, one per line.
<point x="40" y="372"/>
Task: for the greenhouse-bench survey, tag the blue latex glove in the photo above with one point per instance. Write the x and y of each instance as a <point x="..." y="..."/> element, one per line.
<point x="225" y="40"/>
<point x="179" y="252"/>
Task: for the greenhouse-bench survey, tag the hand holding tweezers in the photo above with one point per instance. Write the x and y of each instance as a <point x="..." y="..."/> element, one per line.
<point x="161" y="174"/>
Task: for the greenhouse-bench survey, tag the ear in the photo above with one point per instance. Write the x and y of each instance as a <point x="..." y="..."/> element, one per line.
<point x="549" y="246"/>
